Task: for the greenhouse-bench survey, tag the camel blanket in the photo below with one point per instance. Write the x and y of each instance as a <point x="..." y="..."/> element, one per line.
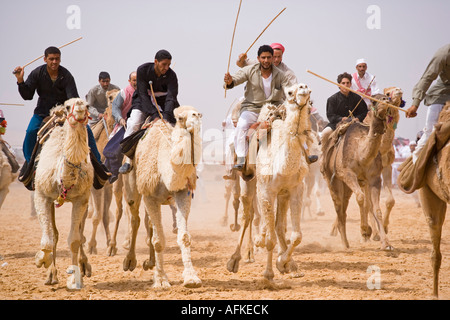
<point x="412" y="175"/>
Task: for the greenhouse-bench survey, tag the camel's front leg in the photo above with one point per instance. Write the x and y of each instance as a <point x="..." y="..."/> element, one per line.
<point x="118" y="195"/>
<point x="153" y="208"/>
<point x="79" y="208"/>
<point x="133" y="199"/>
<point x="183" y="201"/>
<point x="376" y="213"/>
<point x="266" y="202"/>
<point x="434" y="210"/>
<point x="285" y="263"/>
<point x="45" y="257"/>
<point x="390" y="201"/>
<point x="97" y="201"/>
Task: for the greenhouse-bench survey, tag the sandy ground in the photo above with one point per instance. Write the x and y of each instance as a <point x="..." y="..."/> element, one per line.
<point x="330" y="272"/>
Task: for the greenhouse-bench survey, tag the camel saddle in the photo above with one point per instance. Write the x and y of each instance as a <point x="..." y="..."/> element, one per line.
<point x="412" y="175"/>
<point x="129" y="144"/>
<point x="28" y="170"/>
<point x="10" y="156"/>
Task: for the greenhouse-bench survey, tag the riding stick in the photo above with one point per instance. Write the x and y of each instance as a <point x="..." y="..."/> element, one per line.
<point x="359" y="93"/>
<point x="232" y="40"/>
<point x="43" y="55"/>
<point x="264" y="30"/>
<point x="11" y="104"/>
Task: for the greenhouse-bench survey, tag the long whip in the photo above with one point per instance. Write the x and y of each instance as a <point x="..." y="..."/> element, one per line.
<point x="357" y="92"/>
<point x="232" y="40"/>
<point x="64" y="45"/>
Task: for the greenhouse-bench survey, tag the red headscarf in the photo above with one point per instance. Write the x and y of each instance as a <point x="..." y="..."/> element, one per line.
<point x="277" y="46"/>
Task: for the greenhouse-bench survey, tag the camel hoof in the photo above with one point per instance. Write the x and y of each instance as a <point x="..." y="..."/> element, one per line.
<point x="235" y="227"/>
<point x="92" y="248"/>
<point x="269" y="275"/>
<point x="111" y="250"/>
<point x="129" y="263"/>
<point x="387" y="247"/>
<point x="148" y="264"/>
<point x="161" y="282"/>
<point x="43" y="257"/>
<point x="233" y="263"/>
<point x="52" y="278"/>
<point x="282" y="265"/>
<point x="192" y="281"/>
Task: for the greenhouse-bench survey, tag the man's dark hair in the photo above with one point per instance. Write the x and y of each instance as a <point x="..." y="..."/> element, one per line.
<point x="51" y="50"/>
<point x="103" y="75"/>
<point x="265" y="48"/>
<point x="162" y="55"/>
<point x="344" y="75"/>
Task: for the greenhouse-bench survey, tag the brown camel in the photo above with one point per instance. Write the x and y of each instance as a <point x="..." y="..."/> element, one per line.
<point x="387" y="152"/>
<point x="351" y="163"/>
<point x="431" y="175"/>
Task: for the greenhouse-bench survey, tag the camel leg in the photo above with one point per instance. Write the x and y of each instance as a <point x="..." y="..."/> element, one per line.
<point x="374" y="208"/>
<point x="183" y="201"/>
<point x="108" y="189"/>
<point x="236" y="191"/>
<point x="173" y="208"/>
<point x="339" y="193"/>
<point x="268" y="237"/>
<point x="98" y="197"/>
<point x="390" y="201"/>
<point x="74" y="281"/>
<point x="118" y="195"/>
<point x="44" y="257"/>
<point x="153" y="208"/>
<point x="32" y="209"/>
<point x="3" y="193"/>
<point x="151" y="261"/>
<point x="85" y="267"/>
<point x="133" y="199"/>
<point x="434" y="210"/>
<point x="247" y="199"/>
<point x="227" y="196"/>
<point x="285" y="263"/>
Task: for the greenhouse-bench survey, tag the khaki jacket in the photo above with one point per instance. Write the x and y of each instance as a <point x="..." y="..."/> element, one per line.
<point x="254" y="97"/>
<point x="438" y="69"/>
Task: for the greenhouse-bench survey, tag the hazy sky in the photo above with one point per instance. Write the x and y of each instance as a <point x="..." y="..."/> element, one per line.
<point x="396" y="37"/>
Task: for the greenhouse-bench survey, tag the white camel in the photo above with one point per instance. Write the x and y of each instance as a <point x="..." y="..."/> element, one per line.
<point x="168" y="171"/>
<point x="281" y="166"/>
<point x="64" y="173"/>
<point x="6" y="175"/>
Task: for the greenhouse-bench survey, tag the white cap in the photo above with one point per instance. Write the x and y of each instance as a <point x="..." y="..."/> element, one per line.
<point x="359" y="61"/>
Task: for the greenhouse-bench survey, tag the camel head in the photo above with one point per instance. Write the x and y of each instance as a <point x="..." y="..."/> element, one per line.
<point x="380" y="109"/>
<point x="110" y="96"/>
<point x="395" y="94"/>
<point x="188" y="118"/>
<point x="77" y="111"/>
<point x="298" y="94"/>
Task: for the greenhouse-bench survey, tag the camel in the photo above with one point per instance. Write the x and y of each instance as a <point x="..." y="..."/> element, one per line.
<point x="435" y="191"/>
<point x="313" y="182"/>
<point x="6" y="175"/>
<point x="281" y="165"/>
<point x="387" y="152"/>
<point x="168" y="171"/>
<point x="100" y="200"/>
<point x="64" y="173"/>
<point x="351" y="163"/>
